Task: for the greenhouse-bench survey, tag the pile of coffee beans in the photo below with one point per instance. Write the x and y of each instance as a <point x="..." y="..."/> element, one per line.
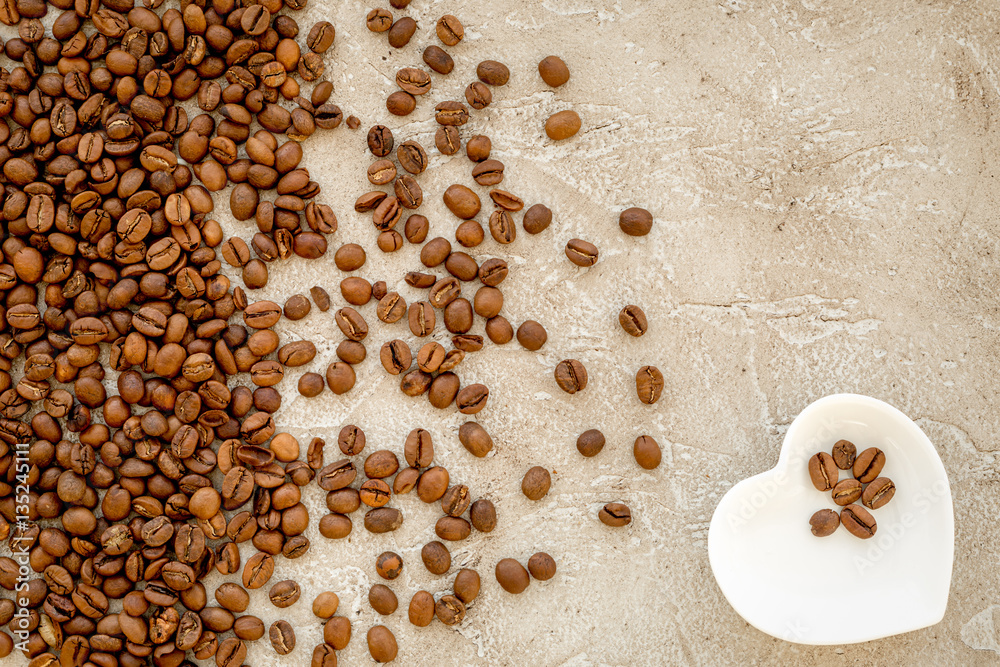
<point x="866" y="484"/>
<point x="112" y="269"/>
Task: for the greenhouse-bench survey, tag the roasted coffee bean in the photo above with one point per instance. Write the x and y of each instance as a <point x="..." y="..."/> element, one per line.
<point x="483" y="515"/>
<point x="878" y="493"/>
<point x="375" y="493"/>
<point x="421" y="610"/>
<point x="868" y="465"/>
<point x="633" y="320"/>
<point x="493" y="73"/>
<point x="282" y="637"/>
<point x="400" y="103"/>
<point x="536" y="482"/>
<point x="647" y="452"/>
<point x="488" y="172"/>
<point x="542" y="566"/>
<point x="823" y="471"/>
<point x="846" y="491"/>
<point x="478" y="95"/>
<point x="421" y="318"/>
<point x="395" y="356"/>
<point x="844" y="453"/>
<point x="382" y="644"/>
<point x="389" y="565"/>
<point x="351" y="324"/>
<point x="401" y="32"/>
<point x="571" y="376"/>
<point x="472" y="398"/>
<point x="381" y="464"/>
<point x="615" y="515"/>
<point x="562" y="125"/>
<point x="581" y="253"/>
<point x="452" y="528"/>
<point x="321" y="36"/>
<point x="449" y="30"/>
<point x="414" y="81"/>
<point x="590" y="443"/>
<point x="512" y="576"/>
<point x="649" y="384"/>
<point x="450" y="610"/>
<point x="858" y="521"/>
<point x="311" y="385"/>
<point x="462" y="201"/>
<point x="418" y="449"/>
<point x="335" y="526"/>
<point x="436" y="557"/>
<point x="502" y="227"/>
<point x="635" y="221"/>
<point x="824" y="522"/>
<point x="379" y="20"/>
<point x="284" y="594"/>
<point x="531" y="335"/>
<point x="475" y="439"/>
<point x="438" y="59"/>
<point x="451" y="113"/>
<point x="455" y="500"/>
<point x="553" y="71"/>
<point x="383" y="520"/>
<point x="325" y="604"/>
<point x="380" y="140"/>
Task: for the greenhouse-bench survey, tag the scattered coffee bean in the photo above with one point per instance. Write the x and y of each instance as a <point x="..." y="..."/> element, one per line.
<point x="823" y="471"/>
<point x="858" y="521"/>
<point x="571" y="376"/>
<point x="824" y="522"/>
<point x="590" y="443"/>
<point x="868" y="465"/>
<point x="615" y="515"/>
<point x="542" y="566"/>
<point x="553" y="71"/>
<point x="382" y="644"/>
<point x="581" y="253"/>
<point x="878" y="493"/>
<point x="846" y="491"/>
<point x="633" y="320"/>
<point x="649" y="384"/>
<point x="647" y="452"/>
<point x="512" y="576"/>
<point x="844" y="453"/>
<point x="635" y="221"/>
<point x="536" y="483"/>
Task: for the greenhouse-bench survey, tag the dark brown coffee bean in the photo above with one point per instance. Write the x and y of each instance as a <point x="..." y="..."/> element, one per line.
<point x="647" y="452"/>
<point x="472" y="398"/>
<point x="382" y="644"/>
<point x="381" y="464"/>
<point x="493" y="73"/>
<point x="282" y="637"/>
<point x="635" y="221"/>
<point x="858" y="521"/>
<point x="553" y="71"/>
<point x="450" y="610"/>
<point x="311" y="385"/>
<point x="824" y="523"/>
<point x="412" y="157"/>
<point x="615" y="515"/>
<point x="438" y="59"/>
<point x="823" y="471"/>
<point x="447" y="140"/>
<point x="340" y="377"/>
<point x="284" y="594"/>
<point x="401" y="32"/>
<point x="337" y="475"/>
<point x="418" y="449"/>
<point x="571" y="376"/>
<point x="382" y="599"/>
<point x="649" y="384"/>
<point x="542" y="566"/>
<point x="381" y="172"/>
<point x="414" y="81"/>
<point x="562" y="125"/>
<point x="325" y="604"/>
<point x="449" y="30"/>
<point x="502" y="227"/>
<point x="536" y="483"/>
<point x="451" y="113"/>
<point x="581" y="252"/>
<point x="590" y="443"/>
<point x="421" y="318"/>
<point x="436" y="557"/>
<point x="383" y="520"/>
<point x="844" y="453"/>
<point x="478" y="95"/>
<point x="483" y="515"/>
<point x="633" y="320"/>
<point x="321" y="37"/>
<point x="335" y="526"/>
<point x="512" y="576"/>
<point x="380" y="141"/>
<point x="869" y="464"/>
<point x="375" y="493"/>
<point x="452" y="528"/>
<point x="878" y="493"/>
<point x="455" y="500"/>
<point x="537" y="219"/>
<point x="351" y="324"/>
<point x="400" y="103"/>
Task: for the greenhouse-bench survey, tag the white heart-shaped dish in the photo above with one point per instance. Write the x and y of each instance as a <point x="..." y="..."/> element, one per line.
<point x="838" y="589"/>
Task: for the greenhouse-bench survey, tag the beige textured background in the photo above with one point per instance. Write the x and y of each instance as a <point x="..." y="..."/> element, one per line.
<point x="822" y="177"/>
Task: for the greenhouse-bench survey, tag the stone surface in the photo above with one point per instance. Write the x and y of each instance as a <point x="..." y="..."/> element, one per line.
<point x="822" y="177"/>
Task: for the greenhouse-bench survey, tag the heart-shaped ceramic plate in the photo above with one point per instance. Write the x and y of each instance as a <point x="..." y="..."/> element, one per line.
<point x="838" y="589"/>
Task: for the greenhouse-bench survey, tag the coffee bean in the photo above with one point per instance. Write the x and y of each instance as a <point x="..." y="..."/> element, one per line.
<point x="581" y="253"/>
<point x="375" y="493"/>
<point x="421" y="610"/>
<point x="284" y="594"/>
<point x="823" y="471"/>
<point x="337" y="475"/>
<point x="421" y="318"/>
<point x="452" y="528"/>
<point x="325" y="604"/>
<point x="396" y="357"/>
<point x="383" y="520"/>
<point x="493" y="73"/>
<point x="382" y="599"/>
<point x="379" y="20"/>
<point x="869" y="464"/>
<point x="258" y="570"/>
<point x="512" y="576"/>
<point x="351" y="324"/>
<point x="321" y="36"/>
<point x="493" y="272"/>
<point x="436" y="557"/>
<point x="472" y="398"/>
<point x="536" y="483"/>
<point x="462" y="201"/>
<point x="615" y="515"/>
<point x="311" y="385"/>
<point x="590" y="443"/>
<point x="413" y="80"/>
<point x="449" y="30"/>
<point x="340" y="377"/>
<point x="401" y="32"/>
<point x="478" y="95"/>
<point x="475" y="439"/>
<point x="649" y="384"/>
<point x="633" y="320"/>
<point x="531" y="335"/>
<point x="635" y="221"/>
<point x="647" y="452"/>
<point x="335" y="526"/>
<point x="412" y="157"/>
<point x="455" y="500"/>
<point x="542" y="566"/>
<point x="553" y="71"/>
<point x="562" y="125"/>
<point x="438" y="59"/>
<point x="502" y="227"/>
<point x="858" y="521"/>
<point x="389" y="565"/>
<point x="571" y="376"/>
<point x="488" y="172"/>
<point x="844" y="453"/>
<point x="824" y="522"/>
<point x="447" y="140"/>
<point x="282" y="637"/>
<point x="878" y="493"/>
<point x="450" y="610"/>
<point x="337" y="632"/>
<point x="846" y="491"/>
<point x="382" y="644"/>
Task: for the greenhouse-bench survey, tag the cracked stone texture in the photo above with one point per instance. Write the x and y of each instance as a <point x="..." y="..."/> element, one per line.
<point x="822" y="177"/>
